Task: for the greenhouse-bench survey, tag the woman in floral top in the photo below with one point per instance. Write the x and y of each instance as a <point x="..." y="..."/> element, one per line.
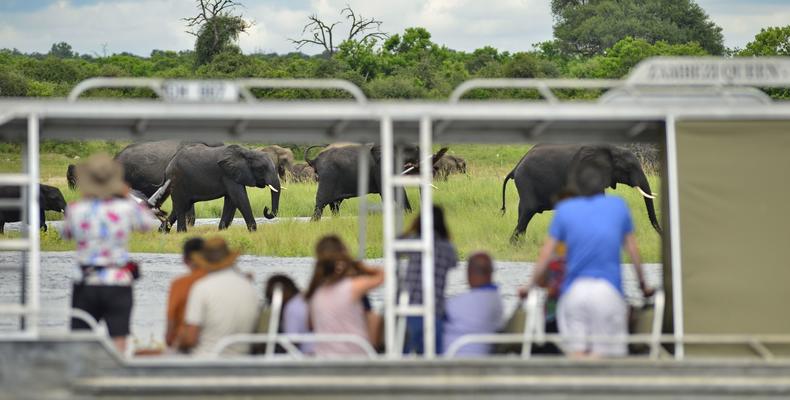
<point x="101" y="224"/>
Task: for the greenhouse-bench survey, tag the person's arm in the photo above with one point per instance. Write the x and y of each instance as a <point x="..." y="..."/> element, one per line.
<point x="362" y="284"/>
<point x="194" y="317"/>
<point x="143" y="219"/>
<point x="632" y="248"/>
<point x="541" y="266"/>
<point x="189" y="338"/>
<point x="171" y="329"/>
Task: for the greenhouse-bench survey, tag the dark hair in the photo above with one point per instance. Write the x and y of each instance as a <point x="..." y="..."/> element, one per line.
<point x="480" y="264"/>
<point x="333" y="262"/>
<point x="439" y="224"/>
<point x="192" y="245"/>
<point x="287" y="284"/>
<point x="589" y="180"/>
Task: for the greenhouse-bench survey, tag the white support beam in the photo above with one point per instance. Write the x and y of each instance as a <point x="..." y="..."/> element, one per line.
<point x="33" y="254"/>
<point x="674" y="236"/>
<point x="390" y="265"/>
<point x="426" y="235"/>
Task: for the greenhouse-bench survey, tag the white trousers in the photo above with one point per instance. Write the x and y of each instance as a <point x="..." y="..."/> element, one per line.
<point x="593" y="308"/>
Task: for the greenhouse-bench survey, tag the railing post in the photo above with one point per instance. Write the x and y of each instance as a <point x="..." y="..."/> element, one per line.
<point x="34" y="260"/>
<point x="674" y="236"/>
<point x="388" y="211"/>
<point x="426" y="228"/>
<point x="363" y="175"/>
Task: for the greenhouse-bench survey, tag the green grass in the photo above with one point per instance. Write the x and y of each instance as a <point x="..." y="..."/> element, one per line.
<point x="471" y="202"/>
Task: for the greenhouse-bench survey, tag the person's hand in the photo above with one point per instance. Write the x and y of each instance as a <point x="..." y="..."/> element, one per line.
<point x="523" y="291"/>
<point x="646" y="291"/>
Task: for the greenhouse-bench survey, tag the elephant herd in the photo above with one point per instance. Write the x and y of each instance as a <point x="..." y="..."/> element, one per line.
<point x="191" y="172"/>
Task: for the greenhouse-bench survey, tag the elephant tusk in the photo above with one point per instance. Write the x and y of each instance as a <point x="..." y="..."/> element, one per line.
<point x="434" y="186"/>
<point x="408" y="170"/>
<point x="642" y="192"/>
<point x="272" y="188"/>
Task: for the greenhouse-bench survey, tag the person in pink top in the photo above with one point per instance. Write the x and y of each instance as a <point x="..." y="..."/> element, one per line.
<point x="335" y="296"/>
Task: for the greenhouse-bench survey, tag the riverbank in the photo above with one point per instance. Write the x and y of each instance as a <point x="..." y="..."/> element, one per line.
<point x="472" y="203"/>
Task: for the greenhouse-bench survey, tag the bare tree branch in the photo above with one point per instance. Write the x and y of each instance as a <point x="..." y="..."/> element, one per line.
<point x="324" y="34"/>
<point x="208" y="9"/>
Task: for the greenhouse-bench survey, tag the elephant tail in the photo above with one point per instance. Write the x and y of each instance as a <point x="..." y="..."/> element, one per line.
<point x="71" y="176"/>
<point x="307" y="151"/>
<point x="504" y="187"/>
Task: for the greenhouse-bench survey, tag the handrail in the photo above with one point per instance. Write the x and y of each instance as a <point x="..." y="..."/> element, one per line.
<point x="245" y="85"/>
<point x="543" y="86"/>
<point x="242" y="85"/>
<point x="288" y="340"/>
<point x="274" y="318"/>
<point x="155" y="84"/>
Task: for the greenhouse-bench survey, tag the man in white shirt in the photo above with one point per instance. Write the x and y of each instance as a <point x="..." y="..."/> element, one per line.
<point x="478" y="311"/>
<point x="222" y="303"/>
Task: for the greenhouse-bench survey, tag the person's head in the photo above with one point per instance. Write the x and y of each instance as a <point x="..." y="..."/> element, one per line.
<point x="101" y="177"/>
<point x="191" y="247"/>
<point x="215" y="255"/>
<point x="589" y="179"/>
<point x="333" y="262"/>
<point x="287" y="285"/>
<point x="479" y="269"/>
<point x="439" y="224"/>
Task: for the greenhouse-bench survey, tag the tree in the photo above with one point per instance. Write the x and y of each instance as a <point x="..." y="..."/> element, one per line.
<point x="217" y="29"/>
<point x="323" y="34"/>
<point x="589" y="27"/>
<point x="61" y="50"/>
<point x="772" y="41"/>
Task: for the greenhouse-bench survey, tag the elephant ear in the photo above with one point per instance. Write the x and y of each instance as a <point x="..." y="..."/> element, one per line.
<point x="235" y="166"/>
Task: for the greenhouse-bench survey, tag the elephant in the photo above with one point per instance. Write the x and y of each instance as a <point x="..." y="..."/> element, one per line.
<point x="542" y="175"/>
<point x="449" y="165"/>
<point x="199" y="172"/>
<point x="336" y="167"/>
<point x="282" y="157"/>
<point x="144" y="166"/>
<point x="49" y="198"/>
<point x="302" y="172"/>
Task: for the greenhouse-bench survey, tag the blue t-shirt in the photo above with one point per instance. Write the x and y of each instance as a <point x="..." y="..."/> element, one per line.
<point x="593" y="229"/>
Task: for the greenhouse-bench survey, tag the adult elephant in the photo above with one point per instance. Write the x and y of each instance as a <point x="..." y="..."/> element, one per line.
<point x="302" y="172"/>
<point x="337" y="165"/>
<point x="49" y="199"/>
<point x="282" y="157"/>
<point x="144" y="166"/>
<point x="542" y="175"/>
<point x="199" y="172"/>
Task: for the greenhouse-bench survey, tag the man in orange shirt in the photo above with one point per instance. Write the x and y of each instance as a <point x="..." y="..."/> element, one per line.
<point x="179" y="292"/>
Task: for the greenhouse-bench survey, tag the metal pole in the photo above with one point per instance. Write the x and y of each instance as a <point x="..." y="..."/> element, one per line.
<point x="388" y="208"/>
<point x="363" y="175"/>
<point x="674" y="236"/>
<point x="399" y="191"/>
<point x="33" y="230"/>
<point x="426" y="226"/>
<point x="24" y="214"/>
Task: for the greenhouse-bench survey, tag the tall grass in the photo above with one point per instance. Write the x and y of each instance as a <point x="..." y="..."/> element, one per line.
<point x="471" y="202"/>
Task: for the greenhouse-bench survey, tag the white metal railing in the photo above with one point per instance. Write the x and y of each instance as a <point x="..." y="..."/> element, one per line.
<point x="534" y="332"/>
<point x="240" y="87"/>
<point x="288" y="340"/>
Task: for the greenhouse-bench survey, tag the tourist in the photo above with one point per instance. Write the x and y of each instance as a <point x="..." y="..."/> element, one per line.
<point x="101" y="223"/>
<point x="179" y="292"/>
<point x="444" y="258"/>
<point x="594" y="227"/>
<point x="293" y="311"/>
<point x="335" y="297"/>
<point x="222" y="303"/>
<point x="478" y="311"/>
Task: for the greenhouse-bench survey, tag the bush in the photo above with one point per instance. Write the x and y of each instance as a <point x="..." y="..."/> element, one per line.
<point x="12" y="84"/>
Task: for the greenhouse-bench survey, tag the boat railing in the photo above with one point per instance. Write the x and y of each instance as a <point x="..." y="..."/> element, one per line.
<point x="534" y="330"/>
<point x="288" y="341"/>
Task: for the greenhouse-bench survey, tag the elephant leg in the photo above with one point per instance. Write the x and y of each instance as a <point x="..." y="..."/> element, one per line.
<point x="524" y="216"/>
<point x="335" y="207"/>
<point x="42" y="221"/>
<point x="228" y="210"/>
<point x="2" y="227"/>
<point x="178" y="214"/>
<point x="191" y="216"/>
<point x="238" y="196"/>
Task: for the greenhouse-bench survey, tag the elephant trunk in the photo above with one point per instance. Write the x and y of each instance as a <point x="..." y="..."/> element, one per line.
<point x="275" y="188"/>
<point x="642" y="183"/>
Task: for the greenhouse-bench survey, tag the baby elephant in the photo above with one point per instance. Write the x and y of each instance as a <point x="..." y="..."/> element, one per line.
<point x="303" y="173"/>
<point x="50" y="198"/>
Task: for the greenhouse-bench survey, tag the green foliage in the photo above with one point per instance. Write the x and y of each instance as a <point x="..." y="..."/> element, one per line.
<point x="12" y="84"/>
<point x="589" y="27"/>
<point x="772" y="41"/>
<point x="218" y="35"/>
<point x="625" y="54"/>
<point x="62" y="50"/>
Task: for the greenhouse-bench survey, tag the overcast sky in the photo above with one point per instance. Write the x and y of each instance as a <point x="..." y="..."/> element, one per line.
<point x="139" y="26"/>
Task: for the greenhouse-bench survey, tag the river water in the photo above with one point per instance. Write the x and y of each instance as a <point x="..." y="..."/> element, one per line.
<point x="158" y="270"/>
